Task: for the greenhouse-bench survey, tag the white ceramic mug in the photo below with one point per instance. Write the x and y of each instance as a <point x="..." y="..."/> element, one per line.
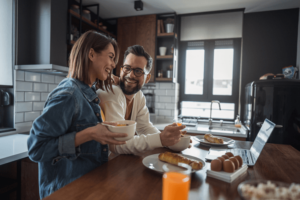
<point x="183" y="143"/>
<point x="162" y="50"/>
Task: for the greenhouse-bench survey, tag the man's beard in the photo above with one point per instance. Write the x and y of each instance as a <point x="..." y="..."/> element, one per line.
<point x="130" y="91"/>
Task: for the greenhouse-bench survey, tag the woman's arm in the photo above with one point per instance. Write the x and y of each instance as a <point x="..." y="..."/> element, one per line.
<point x="50" y="136"/>
<point x="100" y="134"/>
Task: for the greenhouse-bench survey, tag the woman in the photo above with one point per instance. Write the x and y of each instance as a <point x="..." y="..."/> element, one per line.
<point x="67" y="140"/>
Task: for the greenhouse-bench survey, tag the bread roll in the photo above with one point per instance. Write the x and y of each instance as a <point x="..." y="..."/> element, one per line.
<point x="174" y="159"/>
<point x="213" y="139"/>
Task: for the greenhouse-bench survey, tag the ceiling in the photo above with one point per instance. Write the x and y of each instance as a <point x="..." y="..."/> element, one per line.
<point x="123" y="8"/>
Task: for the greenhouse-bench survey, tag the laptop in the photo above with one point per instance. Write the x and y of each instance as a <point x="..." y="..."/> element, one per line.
<point x="249" y="156"/>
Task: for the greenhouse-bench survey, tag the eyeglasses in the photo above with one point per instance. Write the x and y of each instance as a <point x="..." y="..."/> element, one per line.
<point x="137" y="72"/>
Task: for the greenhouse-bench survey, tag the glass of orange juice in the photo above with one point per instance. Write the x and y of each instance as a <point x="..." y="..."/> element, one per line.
<point x="176" y="182"/>
<point x="178" y="122"/>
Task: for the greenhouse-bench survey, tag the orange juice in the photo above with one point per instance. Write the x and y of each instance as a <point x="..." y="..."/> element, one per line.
<point x="179" y="123"/>
<point x="175" y="186"/>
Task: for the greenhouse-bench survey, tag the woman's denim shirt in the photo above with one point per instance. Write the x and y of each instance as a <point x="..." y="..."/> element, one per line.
<point x="71" y="107"/>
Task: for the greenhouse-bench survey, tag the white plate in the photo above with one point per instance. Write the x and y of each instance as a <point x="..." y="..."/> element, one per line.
<point x="227" y="141"/>
<point x="152" y="162"/>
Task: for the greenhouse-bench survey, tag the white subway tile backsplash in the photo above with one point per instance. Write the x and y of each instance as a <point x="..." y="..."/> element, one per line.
<point x="32" y="96"/>
<point x="47" y="78"/>
<point x="32" y="77"/>
<point x="171" y="105"/>
<point x="23" y="106"/>
<point x="175" y="100"/>
<point x="38" y="106"/>
<point x="19" y="96"/>
<point x="40" y="87"/>
<point x="176" y="86"/>
<point x="170" y="92"/>
<point x="169" y="119"/>
<point x="25" y="126"/>
<point x="23" y="86"/>
<point x="156" y="99"/>
<point x="166" y="85"/>
<point x="159" y="118"/>
<point x="162" y="112"/>
<point x="30" y="116"/>
<point x="160" y="92"/>
<point x="19" y="117"/>
<point x="51" y="87"/>
<point x="160" y="105"/>
<point x="20" y="75"/>
<point x="44" y="96"/>
<point x="58" y="79"/>
<point x="175" y="113"/>
<point x="165" y="99"/>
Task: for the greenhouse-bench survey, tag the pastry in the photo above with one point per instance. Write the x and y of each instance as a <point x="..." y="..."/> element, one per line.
<point x="213" y="139"/>
<point x="174" y="159"/>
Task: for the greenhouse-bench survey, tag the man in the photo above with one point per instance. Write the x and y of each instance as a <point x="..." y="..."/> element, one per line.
<point x="128" y="103"/>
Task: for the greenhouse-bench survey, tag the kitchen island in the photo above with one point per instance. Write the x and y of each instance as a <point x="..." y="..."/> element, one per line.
<point x="125" y="177"/>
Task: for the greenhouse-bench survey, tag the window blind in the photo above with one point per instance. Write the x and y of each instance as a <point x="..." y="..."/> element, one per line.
<point x="211" y="26"/>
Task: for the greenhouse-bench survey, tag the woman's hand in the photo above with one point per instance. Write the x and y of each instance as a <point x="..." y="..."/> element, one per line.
<point x="101" y="134"/>
<point x="115" y="79"/>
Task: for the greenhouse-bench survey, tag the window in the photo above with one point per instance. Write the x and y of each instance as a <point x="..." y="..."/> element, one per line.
<point x="210" y="71"/>
<point x="194" y="71"/>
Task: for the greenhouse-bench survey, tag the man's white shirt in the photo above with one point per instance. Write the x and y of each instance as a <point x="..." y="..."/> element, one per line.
<point x="114" y="106"/>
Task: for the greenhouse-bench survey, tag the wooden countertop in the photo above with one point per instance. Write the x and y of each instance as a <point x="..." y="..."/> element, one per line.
<point x="125" y="177"/>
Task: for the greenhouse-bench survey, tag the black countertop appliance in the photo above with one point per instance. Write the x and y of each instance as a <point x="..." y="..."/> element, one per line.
<point x="278" y="101"/>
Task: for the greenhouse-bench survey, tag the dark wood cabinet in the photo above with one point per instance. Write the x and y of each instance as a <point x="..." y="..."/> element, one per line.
<point x="19" y="180"/>
<point x="138" y="30"/>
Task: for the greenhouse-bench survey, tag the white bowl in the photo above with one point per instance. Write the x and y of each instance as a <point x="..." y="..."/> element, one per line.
<point x="183" y="143"/>
<point x="130" y="129"/>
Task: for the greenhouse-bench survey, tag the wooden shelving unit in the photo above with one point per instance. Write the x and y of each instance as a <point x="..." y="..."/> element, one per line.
<point x="165" y="34"/>
<point x="164" y="79"/>
<point x="166" y="66"/>
<point x="90" y="23"/>
<point x="164" y="57"/>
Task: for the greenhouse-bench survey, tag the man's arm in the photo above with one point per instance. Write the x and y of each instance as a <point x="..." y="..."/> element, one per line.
<point x="144" y="126"/>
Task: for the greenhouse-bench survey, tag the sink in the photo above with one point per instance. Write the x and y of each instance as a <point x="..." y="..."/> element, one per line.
<point x="218" y="128"/>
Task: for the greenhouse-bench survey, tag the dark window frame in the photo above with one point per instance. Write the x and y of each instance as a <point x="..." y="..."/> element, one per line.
<point x="209" y="46"/>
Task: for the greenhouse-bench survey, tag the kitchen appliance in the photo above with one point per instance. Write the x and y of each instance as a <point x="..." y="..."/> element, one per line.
<point x="149" y="94"/>
<point x="4" y="101"/>
<point x="278" y="101"/>
<point x="4" y="98"/>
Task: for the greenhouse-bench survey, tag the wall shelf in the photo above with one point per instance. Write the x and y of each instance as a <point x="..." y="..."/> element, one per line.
<point x="164" y="79"/>
<point x="165" y="34"/>
<point x="164" y="57"/>
<point x="90" y="23"/>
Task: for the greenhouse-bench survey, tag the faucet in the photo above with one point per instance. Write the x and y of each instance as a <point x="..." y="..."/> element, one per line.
<point x="210" y="119"/>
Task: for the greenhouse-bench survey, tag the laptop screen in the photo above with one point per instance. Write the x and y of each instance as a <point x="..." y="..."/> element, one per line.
<point x="261" y="139"/>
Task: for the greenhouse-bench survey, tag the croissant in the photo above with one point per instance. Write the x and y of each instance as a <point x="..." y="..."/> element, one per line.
<point x="174" y="159"/>
<point x="213" y="139"/>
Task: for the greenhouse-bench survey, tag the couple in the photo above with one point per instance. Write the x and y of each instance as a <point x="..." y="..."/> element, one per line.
<point x="68" y="139"/>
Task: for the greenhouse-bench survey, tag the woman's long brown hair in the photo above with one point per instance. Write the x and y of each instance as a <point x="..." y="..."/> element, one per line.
<point x="79" y="61"/>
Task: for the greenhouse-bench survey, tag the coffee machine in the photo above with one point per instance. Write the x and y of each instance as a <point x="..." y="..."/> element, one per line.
<point x="5" y="101"/>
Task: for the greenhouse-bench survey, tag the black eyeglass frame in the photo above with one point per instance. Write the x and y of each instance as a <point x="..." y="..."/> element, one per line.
<point x="134" y="71"/>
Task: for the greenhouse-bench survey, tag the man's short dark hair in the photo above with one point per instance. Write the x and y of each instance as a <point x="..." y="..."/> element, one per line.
<point x="139" y="51"/>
